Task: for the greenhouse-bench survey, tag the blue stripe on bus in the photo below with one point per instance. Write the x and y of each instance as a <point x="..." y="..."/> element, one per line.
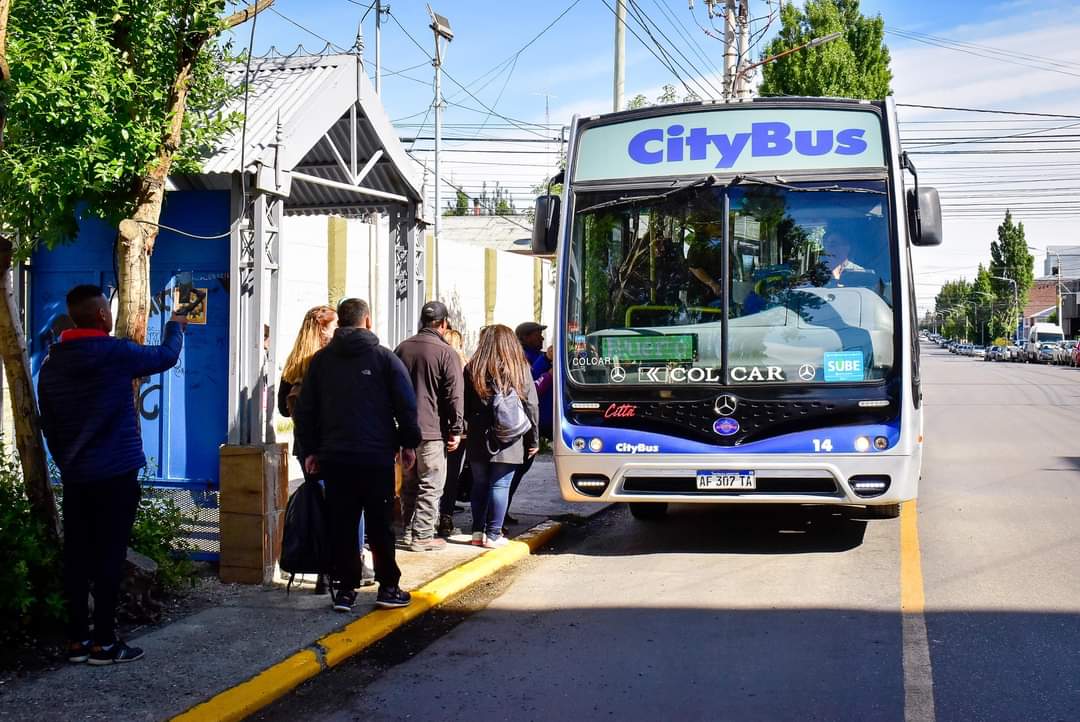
<point x="634" y="442"/>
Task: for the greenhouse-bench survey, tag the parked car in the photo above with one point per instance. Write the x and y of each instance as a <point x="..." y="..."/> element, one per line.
<point x="1063" y="353"/>
<point x="1045" y="354"/>
<point x="1014" y="353"/>
<point x="978" y="352"/>
<point x="997" y="353"/>
<point x="1040" y="334"/>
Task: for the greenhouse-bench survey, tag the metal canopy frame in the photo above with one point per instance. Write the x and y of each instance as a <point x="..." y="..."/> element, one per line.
<point x="319" y="143"/>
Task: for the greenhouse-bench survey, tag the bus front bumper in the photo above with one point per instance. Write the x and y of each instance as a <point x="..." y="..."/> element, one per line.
<point x="842" y="479"/>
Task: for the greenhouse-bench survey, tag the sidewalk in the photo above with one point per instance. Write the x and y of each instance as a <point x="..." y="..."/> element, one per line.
<point x="199" y="656"/>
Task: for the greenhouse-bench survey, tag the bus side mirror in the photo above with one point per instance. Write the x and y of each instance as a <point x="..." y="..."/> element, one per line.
<point x="924" y="216"/>
<point x="545" y="237"/>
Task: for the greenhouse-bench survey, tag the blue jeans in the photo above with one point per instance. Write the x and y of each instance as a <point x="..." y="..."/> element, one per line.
<point x="490" y="495"/>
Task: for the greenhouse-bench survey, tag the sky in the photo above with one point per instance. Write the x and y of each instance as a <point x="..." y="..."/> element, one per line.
<point x="1020" y="55"/>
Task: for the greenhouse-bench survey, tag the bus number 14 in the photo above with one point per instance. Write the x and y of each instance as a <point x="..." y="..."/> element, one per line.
<point x="822" y="444"/>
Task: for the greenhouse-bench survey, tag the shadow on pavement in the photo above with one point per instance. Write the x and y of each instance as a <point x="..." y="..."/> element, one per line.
<point x="739" y="529"/>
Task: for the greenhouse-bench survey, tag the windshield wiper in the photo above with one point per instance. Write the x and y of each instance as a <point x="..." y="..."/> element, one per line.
<point x="778" y="183"/>
<point x="627" y="200"/>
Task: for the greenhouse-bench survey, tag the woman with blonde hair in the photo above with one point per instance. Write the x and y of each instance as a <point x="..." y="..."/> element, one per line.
<point x="316" y="330"/>
<point x="502" y="415"/>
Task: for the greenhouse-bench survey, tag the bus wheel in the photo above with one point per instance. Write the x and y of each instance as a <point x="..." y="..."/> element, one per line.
<point x="883" y="511"/>
<point x="648" y="511"/>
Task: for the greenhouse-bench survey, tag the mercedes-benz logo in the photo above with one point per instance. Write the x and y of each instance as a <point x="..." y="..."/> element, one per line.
<point x="618" y="374"/>
<point x="807" y="372"/>
<point x="726" y="405"/>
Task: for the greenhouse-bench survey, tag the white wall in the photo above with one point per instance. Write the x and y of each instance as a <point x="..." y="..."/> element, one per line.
<point x="304" y="280"/>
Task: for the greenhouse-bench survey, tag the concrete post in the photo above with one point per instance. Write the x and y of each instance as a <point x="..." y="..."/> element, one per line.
<point x="491" y="275"/>
<point x="337" y="232"/>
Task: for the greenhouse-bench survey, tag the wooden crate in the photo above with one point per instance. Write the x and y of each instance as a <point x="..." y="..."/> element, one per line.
<point x="254" y="492"/>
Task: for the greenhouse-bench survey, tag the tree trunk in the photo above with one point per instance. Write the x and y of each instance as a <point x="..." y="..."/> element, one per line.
<point x="137" y="234"/>
<point x="23" y="404"/>
<point x="24" y="410"/>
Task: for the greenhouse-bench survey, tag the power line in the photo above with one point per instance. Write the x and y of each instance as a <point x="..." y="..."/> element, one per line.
<point x="985" y="110"/>
<point x="307" y="30"/>
<point x="642" y="17"/>
<point x="649" y="48"/>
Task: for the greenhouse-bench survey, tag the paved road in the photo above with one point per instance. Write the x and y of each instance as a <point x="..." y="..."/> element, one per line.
<point x="778" y="614"/>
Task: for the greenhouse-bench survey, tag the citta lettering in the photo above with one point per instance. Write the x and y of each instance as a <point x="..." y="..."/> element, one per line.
<point x="767" y="139"/>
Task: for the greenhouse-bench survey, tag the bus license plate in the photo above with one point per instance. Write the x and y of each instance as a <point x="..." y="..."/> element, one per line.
<point x="720" y="480"/>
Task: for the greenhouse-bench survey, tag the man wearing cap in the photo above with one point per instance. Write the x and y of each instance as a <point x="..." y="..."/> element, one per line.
<point x="531" y="336"/>
<point x="437" y="377"/>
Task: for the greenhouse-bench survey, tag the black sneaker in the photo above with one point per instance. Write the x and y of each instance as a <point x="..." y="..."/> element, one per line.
<point x="116" y="653"/>
<point x="446" y="527"/>
<point x="344" y="600"/>
<point x="79" y="652"/>
<point x="392" y="598"/>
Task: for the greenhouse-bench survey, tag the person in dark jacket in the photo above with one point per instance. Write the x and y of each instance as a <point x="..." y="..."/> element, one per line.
<point x="531" y="336"/>
<point x="87" y="409"/>
<point x="436" y="374"/>
<point x="356" y="411"/>
<point x="497" y="367"/>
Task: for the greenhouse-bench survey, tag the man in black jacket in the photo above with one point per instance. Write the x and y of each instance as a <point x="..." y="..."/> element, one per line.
<point x="436" y="375"/>
<point x="357" y="410"/>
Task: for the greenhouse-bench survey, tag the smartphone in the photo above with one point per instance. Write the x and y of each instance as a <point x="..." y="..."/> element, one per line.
<point x="189" y="297"/>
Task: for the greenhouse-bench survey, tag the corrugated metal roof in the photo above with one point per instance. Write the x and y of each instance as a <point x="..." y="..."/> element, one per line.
<point x="298" y="102"/>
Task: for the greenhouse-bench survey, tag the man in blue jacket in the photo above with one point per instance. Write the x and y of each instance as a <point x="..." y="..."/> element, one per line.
<point x="85" y="392"/>
<point x="357" y="410"/>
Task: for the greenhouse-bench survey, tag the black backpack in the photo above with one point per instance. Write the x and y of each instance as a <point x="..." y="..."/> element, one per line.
<point x="305" y="541"/>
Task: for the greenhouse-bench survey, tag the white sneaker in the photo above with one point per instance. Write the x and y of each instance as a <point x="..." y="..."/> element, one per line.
<point x="477" y="539"/>
<point x="496" y="543"/>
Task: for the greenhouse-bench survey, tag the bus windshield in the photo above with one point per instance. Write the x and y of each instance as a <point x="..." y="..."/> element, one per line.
<point x="802" y="273"/>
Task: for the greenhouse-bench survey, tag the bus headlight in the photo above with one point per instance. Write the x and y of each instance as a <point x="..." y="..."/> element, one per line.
<point x="596" y="445"/>
<point x="579" y="444"/>
<point x="862" y="443"/>
<point x="881" y="443"/>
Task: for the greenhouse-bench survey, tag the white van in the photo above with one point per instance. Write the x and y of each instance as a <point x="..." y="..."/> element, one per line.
<point x="1039" y="334"/>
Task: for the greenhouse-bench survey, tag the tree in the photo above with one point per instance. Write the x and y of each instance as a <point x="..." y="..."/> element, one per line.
<point x="95" y="96"/>
<point x="1009" y="257"/>
<point x="855" y="65"/>
<point x="98" y="116"/>
<point x="460" y="206"/>
<point x="668" y="95"/>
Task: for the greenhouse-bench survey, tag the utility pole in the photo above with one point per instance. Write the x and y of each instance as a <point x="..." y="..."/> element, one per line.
<point x="378" y="47"/>
<point x="729" y="49"/>
<point x="620" y="55"/>
<point x="441" y="27"/>
<point x="742" y="84"/>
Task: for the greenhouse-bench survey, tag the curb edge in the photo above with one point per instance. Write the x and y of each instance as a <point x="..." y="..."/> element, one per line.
<point x="277" y="680"/>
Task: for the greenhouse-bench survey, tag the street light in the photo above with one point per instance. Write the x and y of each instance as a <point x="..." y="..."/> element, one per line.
<point x="443" y="35"/>
<point x="740" y="77"/>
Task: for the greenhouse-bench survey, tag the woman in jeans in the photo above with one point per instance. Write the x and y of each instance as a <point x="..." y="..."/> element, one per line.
<point x="498" y="366"/>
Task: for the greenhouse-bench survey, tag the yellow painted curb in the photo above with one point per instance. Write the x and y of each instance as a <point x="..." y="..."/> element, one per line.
<point x="248" y="697"/>
<point x="276" y="681"/>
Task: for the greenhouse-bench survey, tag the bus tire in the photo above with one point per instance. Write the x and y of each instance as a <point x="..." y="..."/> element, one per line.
<point x="648" y="510"/>
<point x="883" y="511"/>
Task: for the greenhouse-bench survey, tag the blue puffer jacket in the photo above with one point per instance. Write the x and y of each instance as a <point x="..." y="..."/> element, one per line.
<point x="87" y="404"/>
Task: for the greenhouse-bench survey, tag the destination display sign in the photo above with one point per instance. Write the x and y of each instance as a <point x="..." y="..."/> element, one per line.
<point x="750" y="140"/>
<point x="671" y="348"/>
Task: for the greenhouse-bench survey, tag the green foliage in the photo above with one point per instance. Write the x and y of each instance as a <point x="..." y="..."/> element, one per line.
<point x="987" y="308"/>
<point x="88" y="106"/>
<point x="668" y="95"/>
<point x="160" y="533"/>
<point x="460" y="207"/>
<point x="30" y="592"/>
<point x="855" y="65"/>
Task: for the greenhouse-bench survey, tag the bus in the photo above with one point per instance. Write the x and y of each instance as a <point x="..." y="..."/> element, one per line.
<point x="736" y="314"/>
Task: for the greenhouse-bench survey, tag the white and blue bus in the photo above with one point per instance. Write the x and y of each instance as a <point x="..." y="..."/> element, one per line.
<point x="736" y="318"/>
